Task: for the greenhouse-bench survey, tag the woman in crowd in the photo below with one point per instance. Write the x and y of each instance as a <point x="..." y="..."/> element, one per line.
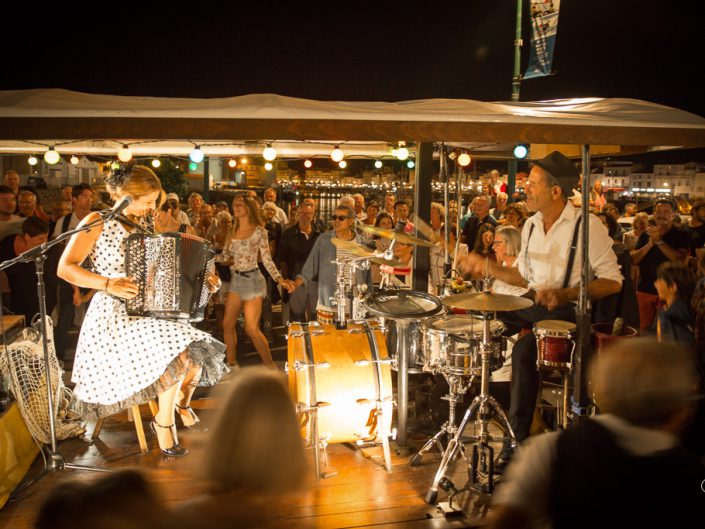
<point x="246" y="242"/>
<point x="516" y="215"/>
<point x="167" y="218"/>
<point x="675" y="321"/>
<point x="484" y="240"/>
<point x="123" y="360"/>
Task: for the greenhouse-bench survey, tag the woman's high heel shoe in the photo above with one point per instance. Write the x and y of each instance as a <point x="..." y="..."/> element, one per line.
<point x="175" y="450"/>
<point x="196" y="426"/>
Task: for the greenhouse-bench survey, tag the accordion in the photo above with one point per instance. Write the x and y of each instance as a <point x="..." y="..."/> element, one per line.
<point x="170" y="270"/>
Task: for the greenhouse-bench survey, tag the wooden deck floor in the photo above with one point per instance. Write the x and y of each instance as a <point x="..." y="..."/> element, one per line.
<point x="361" y="494"/>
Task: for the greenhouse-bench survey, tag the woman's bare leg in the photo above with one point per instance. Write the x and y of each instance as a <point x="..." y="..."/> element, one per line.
<point x="165" y="417"/>
<point x="253" y="311"/>
<point x="188" y="386"/>
<point x="233" y="306"/>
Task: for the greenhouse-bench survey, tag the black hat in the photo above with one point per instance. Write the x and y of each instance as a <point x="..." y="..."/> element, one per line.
<point x="562" y="169"/>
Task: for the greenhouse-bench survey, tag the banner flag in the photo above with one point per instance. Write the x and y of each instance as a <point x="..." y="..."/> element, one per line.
<point x="544" y="27"/>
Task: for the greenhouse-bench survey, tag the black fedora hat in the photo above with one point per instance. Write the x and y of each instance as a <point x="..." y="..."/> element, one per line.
<point x="562" y="169"/>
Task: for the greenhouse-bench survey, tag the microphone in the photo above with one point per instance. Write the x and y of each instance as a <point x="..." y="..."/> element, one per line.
<point x="121" y="205"/>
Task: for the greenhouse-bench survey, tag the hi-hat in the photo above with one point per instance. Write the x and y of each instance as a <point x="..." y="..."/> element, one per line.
<point x="398" y="236"/>
<point x="486" y="302"/>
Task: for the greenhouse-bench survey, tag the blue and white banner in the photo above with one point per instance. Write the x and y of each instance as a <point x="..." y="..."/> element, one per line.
<point x="544" y="27"/>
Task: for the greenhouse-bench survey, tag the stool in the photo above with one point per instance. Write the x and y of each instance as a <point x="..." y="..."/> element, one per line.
<point x="133" y="415"/>
<point x="562" y="407"/>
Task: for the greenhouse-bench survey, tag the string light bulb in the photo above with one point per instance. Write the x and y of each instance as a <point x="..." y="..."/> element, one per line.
<point x="124" y="154"/>
<point x="378" y="164"/>
<point x="308" y="164"/>
<point x="402" y="152"/>
<point x="342" y="164"/>
<point x="410" y="164"/>
<point x="464" y="159"/>
<point x="337" y="154"/>
<point x="243" y="160"/>
<point x="192" y="166"/>
<point x="196" y="154"/>
<point x="32" y="160"/>
<point x="51" y="156"/>
<point x="269" y="153"/>
<point x="74" y="160"/>
<point x="156" y="163"/>
<point x="232" y="163"/>
<point x="520" y="151"/>
<point x="268" y="166"/>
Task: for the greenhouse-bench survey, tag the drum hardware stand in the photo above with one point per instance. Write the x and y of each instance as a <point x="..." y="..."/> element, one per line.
<point x="377" y="362"/>
<point x="565" y="370"/>
<point x="317" y="443"/>
<point x="343" y="297"/>
<point x="53" y="458"/>
<point x="482" y="406"/>
<point x="456" y="389"/>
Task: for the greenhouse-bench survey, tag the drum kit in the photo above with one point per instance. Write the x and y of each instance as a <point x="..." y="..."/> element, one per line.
<point x="340" y="375"/>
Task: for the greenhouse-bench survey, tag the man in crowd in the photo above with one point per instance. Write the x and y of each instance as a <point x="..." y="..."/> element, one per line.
<point x="360" y="213"/>
<point x="69" y="295"/>
<point x="644" y="391"/>
<point x="481" y="216"/>
<point x="389" y="200"/>
<point x="500" y="207"/>
<point x="546" y="268"/>
<point x="660" y="242"/>
<point x="281" y="217"/>
<point x="204" y="221"/>
<point x="12" y="180"/>
<point x="294" y="248"/>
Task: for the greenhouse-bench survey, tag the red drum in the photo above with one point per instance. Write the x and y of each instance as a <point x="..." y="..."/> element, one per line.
<point x="555" y="342"/>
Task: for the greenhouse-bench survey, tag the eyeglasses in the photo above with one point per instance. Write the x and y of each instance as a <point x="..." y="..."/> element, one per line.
<point x="496" y="242"/>
<point x="341" y="217"/>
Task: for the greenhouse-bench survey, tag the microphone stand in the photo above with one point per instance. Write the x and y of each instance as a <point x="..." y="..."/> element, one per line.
<point x="54" y="460"/>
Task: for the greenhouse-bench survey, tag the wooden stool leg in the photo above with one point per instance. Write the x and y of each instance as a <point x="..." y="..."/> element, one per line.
<point x="98" y="428"/>
<point x="153" y="408"/>
<point x="139" y="429"/>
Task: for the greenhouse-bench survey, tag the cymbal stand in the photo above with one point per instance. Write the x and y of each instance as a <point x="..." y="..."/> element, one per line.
<point x="481" y="408"/>
<point x="344" y="290"/>
<point x="457" y="387"/>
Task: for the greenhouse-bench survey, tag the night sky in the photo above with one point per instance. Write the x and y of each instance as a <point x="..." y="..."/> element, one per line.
<point x="646" y="49"/>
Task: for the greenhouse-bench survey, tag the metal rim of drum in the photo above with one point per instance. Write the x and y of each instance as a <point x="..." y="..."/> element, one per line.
<point x="553" y="328"/>
<point x="374" y="304"/>
<point x="430" y="329"/>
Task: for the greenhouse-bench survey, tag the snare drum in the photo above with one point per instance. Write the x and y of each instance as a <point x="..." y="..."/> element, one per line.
<point x="555" y="342"/>
<point x="451" y="344"/>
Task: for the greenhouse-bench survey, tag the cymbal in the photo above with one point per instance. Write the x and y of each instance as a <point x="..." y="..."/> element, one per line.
<point x="485" y="302"/>
<point x="352" y="247"/>
<point x="399" y="236"/>
<point x="361" y="251"/>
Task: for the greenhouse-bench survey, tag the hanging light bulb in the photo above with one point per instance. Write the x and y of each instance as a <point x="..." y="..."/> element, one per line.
<point x="156" y="163"/>
<point x="32" y="160"/>
<point x="378" y="164"/>
<point x="308" y="164"/>
<point x="124" y="154"/>
<point x="74" y="160"/>
<point x="269" y="153"/>
<point x="402" y="152"/>
<point x="232" y="163"/>
<point x="51" y="156"/>
<point x="520" y="151"/>
<point x="268" y="166"/>
<point x="243" y="160"/>
<point x="342" y="164"/>
<point x="337" y="154"/>
<point x="464" y="159"/>
<point x="196" y="154"/>
<point x="193" y="166"/>
<point x="410" y="164"/>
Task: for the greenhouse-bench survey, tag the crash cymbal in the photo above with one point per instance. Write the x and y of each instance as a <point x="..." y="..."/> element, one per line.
<point x="383" y="261"/>
<point x="484" y="302"/>
<point x="399" y="236"/>
<point x="352" y="247"/>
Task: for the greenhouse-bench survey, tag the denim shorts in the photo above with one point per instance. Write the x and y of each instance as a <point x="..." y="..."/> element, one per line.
<point x="248" y="285"/>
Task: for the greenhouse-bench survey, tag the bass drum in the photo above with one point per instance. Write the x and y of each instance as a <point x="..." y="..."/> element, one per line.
<point x="351" y="374"/>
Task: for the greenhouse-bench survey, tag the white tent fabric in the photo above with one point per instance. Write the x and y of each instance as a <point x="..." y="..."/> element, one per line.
<point x="41" y="112"/>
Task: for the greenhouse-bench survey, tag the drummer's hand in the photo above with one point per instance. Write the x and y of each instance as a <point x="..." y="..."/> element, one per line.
<point x="213" y="283"/>
<point x="552" y="298"/>
<point x="122" y="287"/>
<point x="288" y="284"/>
<point x="471" y="264"/>
<point x="386" y="269"/>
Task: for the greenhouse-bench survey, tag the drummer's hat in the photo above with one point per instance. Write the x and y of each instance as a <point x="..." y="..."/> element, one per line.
<point x="562" y="169"/>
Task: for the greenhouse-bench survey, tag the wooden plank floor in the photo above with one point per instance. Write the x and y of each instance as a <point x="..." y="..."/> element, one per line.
<point x="361" y="494"/>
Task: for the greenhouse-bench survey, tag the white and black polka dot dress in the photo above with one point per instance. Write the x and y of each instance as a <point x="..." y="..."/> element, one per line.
<point x="124" y="360"/>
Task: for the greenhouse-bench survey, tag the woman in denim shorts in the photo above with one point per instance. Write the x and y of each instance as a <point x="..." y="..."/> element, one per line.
<point x="246" y="242"/>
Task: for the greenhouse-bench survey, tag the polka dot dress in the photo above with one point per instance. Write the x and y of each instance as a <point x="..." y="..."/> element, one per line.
<point x="120" y="359"/>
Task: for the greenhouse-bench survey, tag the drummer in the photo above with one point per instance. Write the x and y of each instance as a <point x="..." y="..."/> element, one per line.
<point x="543" y="267"/>
<point x="320" y="265"/>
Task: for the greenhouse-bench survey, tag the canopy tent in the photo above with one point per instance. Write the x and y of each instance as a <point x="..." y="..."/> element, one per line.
<point x="98" y="124"/>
